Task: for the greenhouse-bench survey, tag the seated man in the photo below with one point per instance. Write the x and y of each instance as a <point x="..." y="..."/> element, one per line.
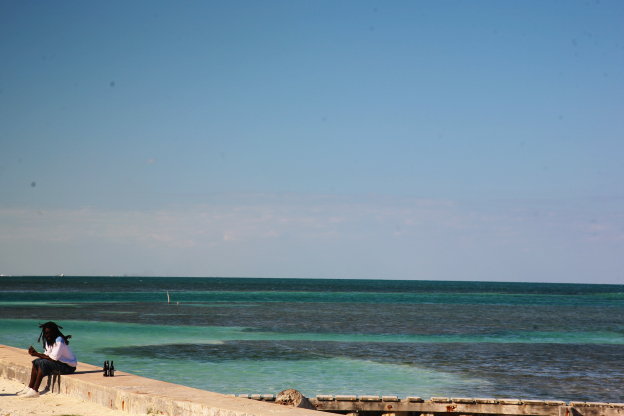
<point x="58" y="358"/>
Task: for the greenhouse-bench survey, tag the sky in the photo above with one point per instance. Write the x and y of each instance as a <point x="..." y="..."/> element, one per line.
<point x="430" y="140"/>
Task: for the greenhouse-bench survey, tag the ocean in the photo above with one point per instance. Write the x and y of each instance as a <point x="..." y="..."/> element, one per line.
<point x="323" y="336"/>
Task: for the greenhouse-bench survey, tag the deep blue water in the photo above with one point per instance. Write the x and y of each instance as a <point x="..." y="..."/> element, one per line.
<point x="321" y="336"/>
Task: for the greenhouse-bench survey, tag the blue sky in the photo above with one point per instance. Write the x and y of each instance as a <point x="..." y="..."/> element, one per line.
<point x="445" y="140"/>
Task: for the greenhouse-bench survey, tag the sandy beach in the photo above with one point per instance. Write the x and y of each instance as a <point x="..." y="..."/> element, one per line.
<point x="48" y="404"/>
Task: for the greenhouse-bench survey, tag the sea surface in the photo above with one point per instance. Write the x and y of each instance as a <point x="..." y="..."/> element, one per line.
<point x="320" y="336"/>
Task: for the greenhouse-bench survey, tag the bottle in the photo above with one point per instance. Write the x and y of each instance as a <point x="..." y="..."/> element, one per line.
<point x="105" y="369"/>
<point x="111" y="370"/>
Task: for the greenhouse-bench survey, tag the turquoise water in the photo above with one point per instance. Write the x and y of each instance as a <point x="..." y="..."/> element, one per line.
<point x="527" y="340"/>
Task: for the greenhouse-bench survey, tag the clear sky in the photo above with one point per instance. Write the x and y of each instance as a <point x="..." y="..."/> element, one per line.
<point x="440" y="140"/>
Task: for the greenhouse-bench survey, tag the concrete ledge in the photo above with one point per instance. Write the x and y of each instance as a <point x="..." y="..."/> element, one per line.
<point x="468" y="406"/>
<point x="143" y="396"/>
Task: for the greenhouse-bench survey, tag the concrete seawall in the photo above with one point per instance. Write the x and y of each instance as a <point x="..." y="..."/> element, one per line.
<point x="438" y="406"/>
<point x="143" y="396"/>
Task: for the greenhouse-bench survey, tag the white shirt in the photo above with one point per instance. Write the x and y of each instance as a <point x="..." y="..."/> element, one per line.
<point x="60" y="351"/>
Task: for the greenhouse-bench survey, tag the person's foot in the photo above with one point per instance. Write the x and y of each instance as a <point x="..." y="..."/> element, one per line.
<point x="30" y="394"/>
<point x="44" y="391"/>
<point x="22" y="391"/>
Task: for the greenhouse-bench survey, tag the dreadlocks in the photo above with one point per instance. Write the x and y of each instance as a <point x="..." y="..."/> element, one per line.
<point x="56" y="331"/>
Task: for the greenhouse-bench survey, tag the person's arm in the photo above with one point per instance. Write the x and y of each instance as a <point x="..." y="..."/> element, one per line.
<point x="34" y="353"/>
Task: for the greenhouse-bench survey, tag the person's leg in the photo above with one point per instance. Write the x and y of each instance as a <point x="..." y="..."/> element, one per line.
<point x="38" y="379"/>
<point x="46" y="389"/>
<point x="33" y="375"/>
<point x="36" y="367"/>
<point x="36" y="375"/>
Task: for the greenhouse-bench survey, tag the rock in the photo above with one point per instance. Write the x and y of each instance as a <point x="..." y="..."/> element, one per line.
<point x="293" y="398"/>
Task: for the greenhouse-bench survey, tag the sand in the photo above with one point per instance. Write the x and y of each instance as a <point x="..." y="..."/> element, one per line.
<point x="47" y="405"/>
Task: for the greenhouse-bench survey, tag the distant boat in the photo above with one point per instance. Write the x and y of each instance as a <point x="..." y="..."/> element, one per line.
<point x="60" y="275"/>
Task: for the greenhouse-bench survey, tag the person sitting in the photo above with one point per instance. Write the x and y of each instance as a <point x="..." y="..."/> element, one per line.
<point x="57" y="358"/>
